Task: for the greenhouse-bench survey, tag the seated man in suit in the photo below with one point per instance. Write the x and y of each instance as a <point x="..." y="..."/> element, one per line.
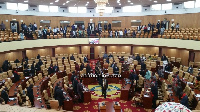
<point x="82" y="66"/>
<point x="85" y="59"/>
<point x="72" y="57"/>
<point x="30" y="94"/>
<point x="112" y="65"/>
<point x="190" y="69"/>
<point x="4" y="95"/>
<point x="125" y="66"/>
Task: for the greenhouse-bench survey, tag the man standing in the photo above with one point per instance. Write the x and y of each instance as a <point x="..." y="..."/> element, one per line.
<point x="109" y="26"/>
<point x="88" y="68"/>
<point x="116" y="69"/>
<point x="85" y="59"/>
<point x="158" y="26"/>
<point x="4" y="95"/>
<point x="72" y="57"/>
<point x="59" y="96"/>
<point x="80" y="90"/>
<point x="30" y="94"/>
<point x="104" y="87"/>
<point x="105" y="26"/>
<point x="44" y="31"/>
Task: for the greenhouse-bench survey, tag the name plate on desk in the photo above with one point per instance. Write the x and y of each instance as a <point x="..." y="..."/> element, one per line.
<point x="146" y="95"/>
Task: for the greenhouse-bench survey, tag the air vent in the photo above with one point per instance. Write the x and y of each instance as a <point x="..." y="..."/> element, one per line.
<point x="146" y="6"/>
<point x="177" y="3"/>
<point x="90" y="8"/>
<point x="117" y="7"/>
<point x="33" y="5"/>
<point x="64" y="7"/>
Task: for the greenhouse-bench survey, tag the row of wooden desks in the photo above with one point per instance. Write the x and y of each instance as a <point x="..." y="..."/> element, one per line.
<point x="38" y="88"/>
<point x="13" y="90"/>
<point x="68" y="103"/>
<point x="109" y="107"/>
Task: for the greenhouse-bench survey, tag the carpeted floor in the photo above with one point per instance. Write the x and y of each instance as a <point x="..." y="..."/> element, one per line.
<point x="126" y="106"/>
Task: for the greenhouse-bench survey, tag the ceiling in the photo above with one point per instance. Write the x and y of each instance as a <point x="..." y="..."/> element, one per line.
<point x="112" y="3"/>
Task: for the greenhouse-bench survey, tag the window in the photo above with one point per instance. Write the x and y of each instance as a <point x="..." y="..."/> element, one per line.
<point x="189" y="4"/>
<point x="108" y="9"/>
<point x="167" y="6"/>
<point x="156" y="7"/>
<point x="82" y="9"/>
<point x="12" y="6"/>
<point x="73" y="10"/>
<point x="197" y="3"/>
<point x="22" y="7"/>
<point x="136" y="8"/>
<point x="43" y="8"/>
<point x="53" y="8"/>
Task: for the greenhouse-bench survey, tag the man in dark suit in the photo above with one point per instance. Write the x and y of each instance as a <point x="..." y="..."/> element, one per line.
<point x="104" y="87"/>
<point x="75" y="83"/>
<point x="59" y="96"/>
<point x="116" y="69"/>
<point x="55" y="68"/>
<point x="143" y="66"/>
<point x="154" y="90"/>
<point x="138" y="58"/>
<point x="72" y="57"/>
<point x="16" y="76"/>
<point x="25" y="65"/>
<point x="56" y="87"/>
<point x="88" y="32"/>
<point x="184" y="100"/>
<point x="110" y="56"/>
<point x="167" y="68"/>
<point x="85" y="59"/>
<point x="72" y="77"/>
<point x="50" y="70"/>
<point x="37" y="67"/>
<point x="163" y="58"/>
<point x="109" y="26"/>
<point x="26" y="72"/>
<point x="30" y="94"/>
<point x="4" y="95"/>
<point x="80" y="90"/>
<point x="44" y="31"/>
<point x="88" y="68"/>
<point x="40" y="62"/>
<point x="38" y="56"/>
<point x="105" y="26"/>
<point x="82" y="66"/>
<point x="190" y="69"/>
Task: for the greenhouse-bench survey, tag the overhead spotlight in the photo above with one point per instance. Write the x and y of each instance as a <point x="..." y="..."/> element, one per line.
<point x="169" y="0"/>
<point x="155" y="1"/>
<point x="51" y="3"/>
<point x="120" y="4"/>
<point x="131" y="3"/>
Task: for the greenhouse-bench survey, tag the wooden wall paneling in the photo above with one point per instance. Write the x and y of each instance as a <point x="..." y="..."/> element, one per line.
<point x="197" y="57"/>
<point x="42" y="52"/>
<point x="185" y="20"/>
<point x="86" y="50"/>
<point x="12" y="56"/>
<point x="98" y="50"/>
<point x="146" y="50"/>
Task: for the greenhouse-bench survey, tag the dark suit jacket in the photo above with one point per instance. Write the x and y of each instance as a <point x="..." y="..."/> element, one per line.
<point x="4" y="95"/>
<point x="81" y="67"/>
<point x="163" y="58"/>
<point x="88" y="68"/>
<point x="116" y="70"/>
<point x="79" y="88"/>
<point x="143" y="66"/>
<point x="154" y="91"/>
<point x="138" y="58"/>
<point x="72" y="58"/>
<point x="184" y="101"/>
<point x="30" y="93"/>
<point x="85" y="59"/>
<point x="59" y="96"/>
<point x="50" y="70"/>
<point x="16" y="76"/>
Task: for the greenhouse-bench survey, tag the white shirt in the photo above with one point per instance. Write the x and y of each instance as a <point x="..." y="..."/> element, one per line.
<point x="120" y="33"/>
<point x="148" y="28"/>
<point x="35" y="25"/>
<point x="54" y="30"/>
<point x="57" y="29"/>
<point x="172" y="25"/>
<point x="110" y="33"/>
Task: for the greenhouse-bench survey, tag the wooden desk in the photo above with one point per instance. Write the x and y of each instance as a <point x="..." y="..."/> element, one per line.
<point x="67" y="104"/>
<point x="176" y="64"/>
<point x="125" y="74"/>
<point x="13" y="90"/>
<point x="87" y="96"/>
<point x="147" y="98"/>
<point x="125" y="92"/>
<point x="37" y="92"/>
<point x="109" y="107"/>
<point x="18" y="69"/>
<point x="113" y="79"/>
<point x="88" y="79"/>
<point x="61" y="74"/>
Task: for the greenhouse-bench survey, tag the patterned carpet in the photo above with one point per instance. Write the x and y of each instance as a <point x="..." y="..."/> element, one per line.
<point x="93" y="106"/>
<point x="112" y="92"/>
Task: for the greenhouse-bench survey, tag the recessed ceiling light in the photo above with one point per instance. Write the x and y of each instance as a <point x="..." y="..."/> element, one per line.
<point x="120" y="4"/>
<point x="87" y="2"/>
<point x="63" y="3"/>
<point x="155" y="1"/>
<point x="131" y="3"/>
<point x="57" y="1"/>
<point x="51" y="3"/>
<point x="26" y="1"/>
<point x="169" y="0"/>
<point x="67" y="1"/>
